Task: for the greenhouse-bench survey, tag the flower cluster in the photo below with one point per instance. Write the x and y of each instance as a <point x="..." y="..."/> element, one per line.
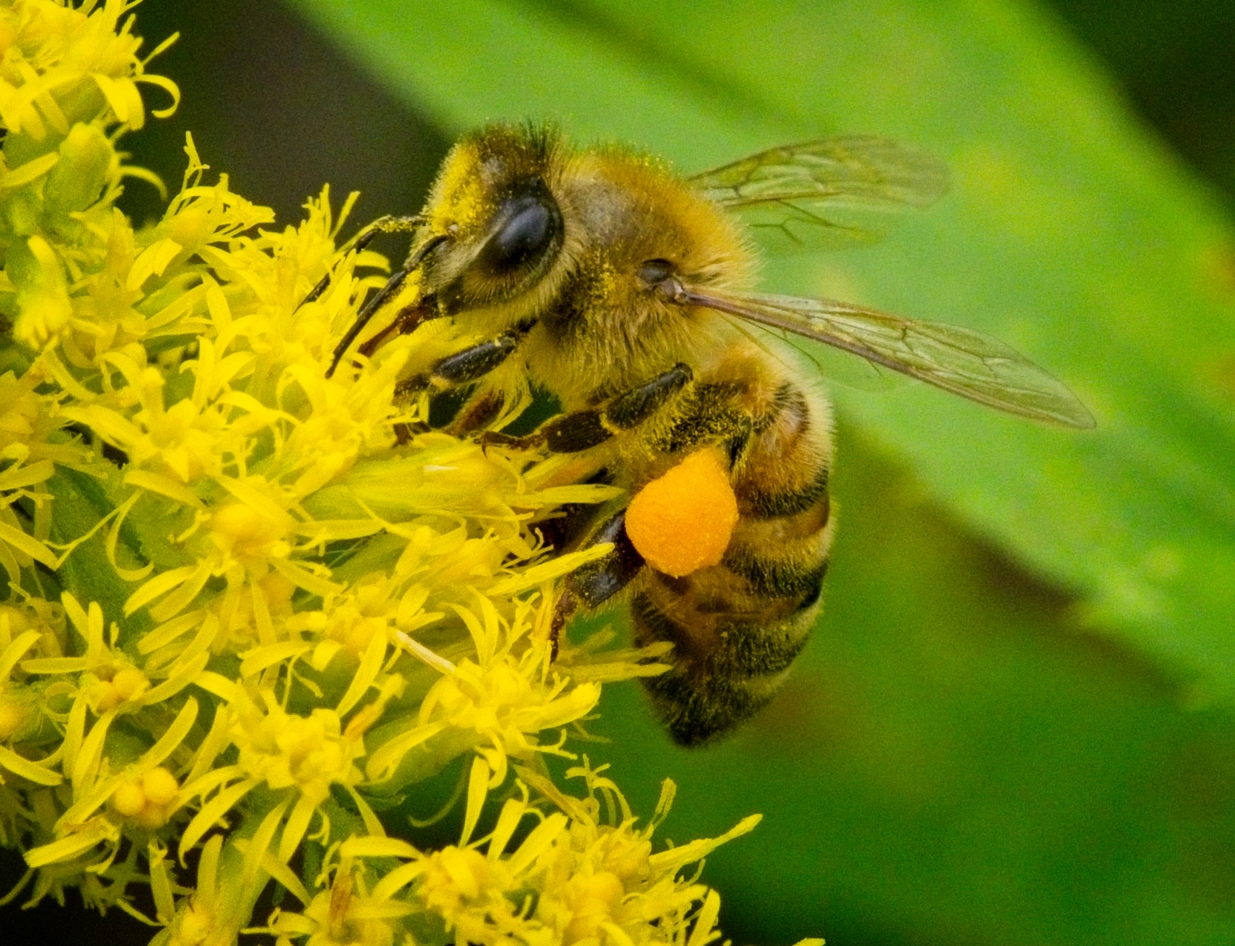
<point x="579" y="875"/>
<point x="244" y="606"/>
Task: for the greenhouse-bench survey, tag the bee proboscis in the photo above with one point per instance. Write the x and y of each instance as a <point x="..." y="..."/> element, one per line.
<point x="624" y="290"/>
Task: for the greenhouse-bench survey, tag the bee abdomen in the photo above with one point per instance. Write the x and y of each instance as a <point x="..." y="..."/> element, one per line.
<point x="773" y="578"/>
<point x="737" y="627"/>
<point x="786" y="501"/>
<point x="711" y="690"/>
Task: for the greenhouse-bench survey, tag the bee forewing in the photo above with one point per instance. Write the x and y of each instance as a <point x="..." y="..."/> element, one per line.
<point x="956" y="359"/>
<point x="828" y="190"/>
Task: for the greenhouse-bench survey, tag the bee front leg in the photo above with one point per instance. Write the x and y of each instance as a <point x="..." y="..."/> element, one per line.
<point x="406" y="320"/>
<point x="582" y="430"/>
<point x="470" y="364"/>
<point x="388" y="224"/>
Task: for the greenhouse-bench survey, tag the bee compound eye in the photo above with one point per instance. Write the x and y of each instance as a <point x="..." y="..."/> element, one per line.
<point x="530" y="227"/>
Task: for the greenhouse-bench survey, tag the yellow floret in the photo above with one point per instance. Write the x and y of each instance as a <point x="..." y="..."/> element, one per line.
<point x="595" y="898"/>
<point x="129" y="683"/>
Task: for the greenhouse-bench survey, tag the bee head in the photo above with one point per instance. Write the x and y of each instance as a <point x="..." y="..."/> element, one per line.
<point x="494" y="205"/>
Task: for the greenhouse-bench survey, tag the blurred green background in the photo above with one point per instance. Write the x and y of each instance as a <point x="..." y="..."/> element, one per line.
<point x="1014" y="723"/>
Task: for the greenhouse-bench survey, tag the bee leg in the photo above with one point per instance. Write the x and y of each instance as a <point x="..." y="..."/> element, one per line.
<point x="470" y="364"/>
<point x="477" y="412"/>
<point x="582" y="430"/>
<point x="593" y="584"/>
<point x="565" y="610"/>
<point x="631" y="408"/>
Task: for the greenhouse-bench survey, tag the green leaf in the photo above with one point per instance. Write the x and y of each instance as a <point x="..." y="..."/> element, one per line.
<point x="1069" y="234"/>
<point x="81" y="502"/>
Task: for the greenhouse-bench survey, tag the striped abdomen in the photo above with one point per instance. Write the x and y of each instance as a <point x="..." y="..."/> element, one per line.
<point x="736" y="627"/>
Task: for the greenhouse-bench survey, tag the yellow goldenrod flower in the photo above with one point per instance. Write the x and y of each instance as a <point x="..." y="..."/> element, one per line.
<point x="245" y="606"/>
<point x="147" y="799"/>
<point x="344" y="913"/>
<point x="281" y="749"/>
<point x="575" y="877"/>
<point x="22" y="717"/>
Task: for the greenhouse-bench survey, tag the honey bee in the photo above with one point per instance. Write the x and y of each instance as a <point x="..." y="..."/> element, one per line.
<point x="623" y="289"/>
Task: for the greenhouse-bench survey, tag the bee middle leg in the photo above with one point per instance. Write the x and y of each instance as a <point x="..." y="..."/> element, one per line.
<point x="582" y="430"/>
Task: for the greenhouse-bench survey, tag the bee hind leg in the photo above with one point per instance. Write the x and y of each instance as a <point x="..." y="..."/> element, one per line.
<point x="591" y="585"/>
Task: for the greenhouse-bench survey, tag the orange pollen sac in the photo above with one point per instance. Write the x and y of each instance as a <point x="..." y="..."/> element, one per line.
<point x="682" y="521"/>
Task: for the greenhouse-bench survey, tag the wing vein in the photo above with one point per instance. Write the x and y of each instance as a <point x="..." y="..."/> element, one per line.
<point x="955" y="359"/>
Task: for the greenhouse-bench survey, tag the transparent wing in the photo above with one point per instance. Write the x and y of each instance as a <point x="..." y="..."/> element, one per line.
<point x="832" y="190"/>
<point x="956" y="359"/>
